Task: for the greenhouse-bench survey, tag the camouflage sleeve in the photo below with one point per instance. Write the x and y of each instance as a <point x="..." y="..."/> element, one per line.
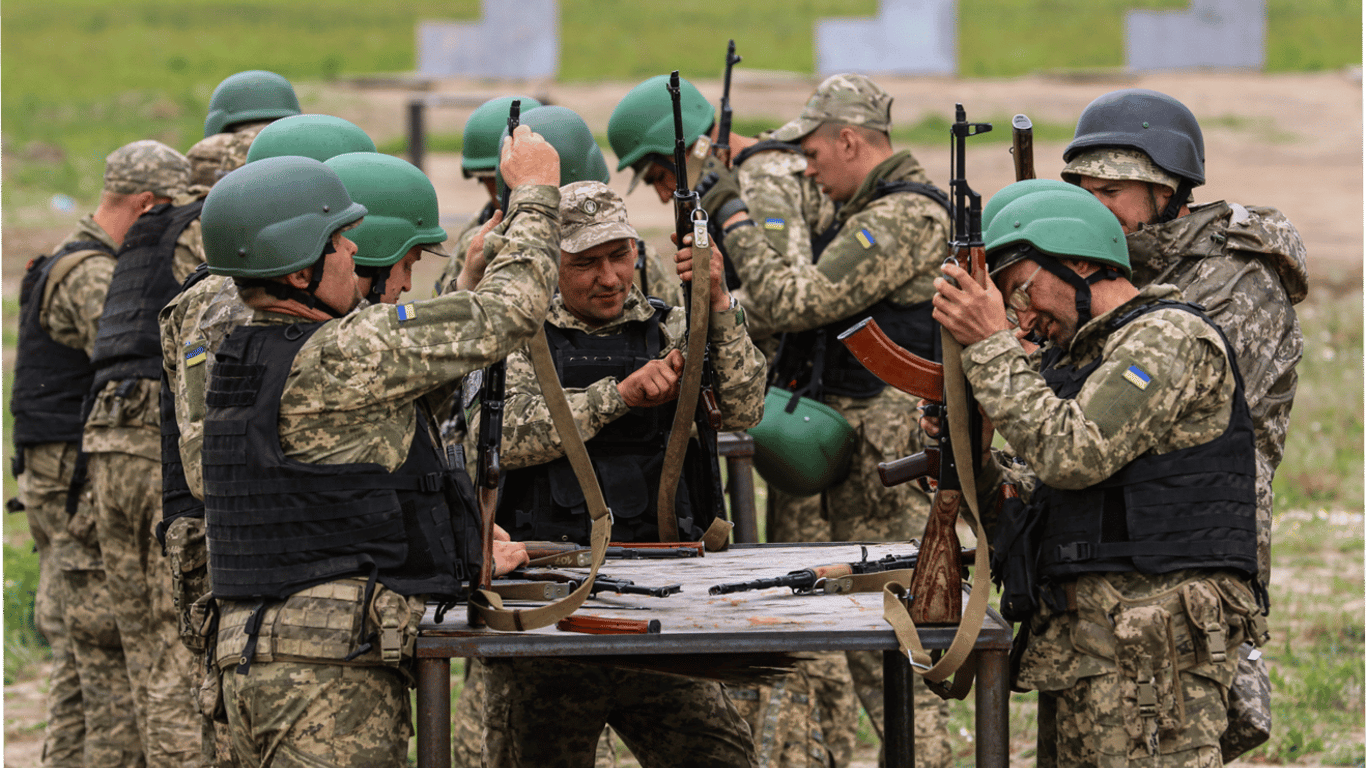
<point x="770" y="183"/>
<point x="360" y="374"/>
<point x="1163" y="385"/>
<point x="460" y="243"/>
<point x="71" y="315"/>
<point x="529" y="435"/>
<point x="741" y="371"/>
<point x="189" y="251"/>
<point x="894" y="241"/>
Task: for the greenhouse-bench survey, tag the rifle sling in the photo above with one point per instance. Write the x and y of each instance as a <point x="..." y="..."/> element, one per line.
<point x="487" y="604"/>
<point x="894" y="609"/>
<point x="699" y="314"/>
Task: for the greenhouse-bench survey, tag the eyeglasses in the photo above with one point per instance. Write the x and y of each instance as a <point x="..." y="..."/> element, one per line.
<point x="1019" y="300"/>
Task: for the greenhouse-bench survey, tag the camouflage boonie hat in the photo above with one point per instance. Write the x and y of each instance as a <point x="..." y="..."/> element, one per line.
<point x="146" y="166"/>
<point x="1117" y="164"/>
<point x="591" y="214"/>
<point x="850" y="99"/>
<point x="212" y="157"/>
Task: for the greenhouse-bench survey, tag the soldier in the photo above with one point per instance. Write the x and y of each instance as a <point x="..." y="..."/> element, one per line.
<point x="878" y="260"/>
<point x="619" y="354"/>
<point x="1141" y="595"/>
<point x="772" y="180"/>
<point x="240" y="107"/>
<point x="479" y="160"/>
<point x="89" y="718"/>
<point x="298" y="646"/>
<point x="1141" y="152"/>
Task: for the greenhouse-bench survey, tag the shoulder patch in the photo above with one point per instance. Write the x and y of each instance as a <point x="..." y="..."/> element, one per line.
<point x="865" y="239"/>
<point x="196" y="352"/>
<point x="1136" y="376"/>
<point x="406" y="312"/>
<point x="774" y="224"/>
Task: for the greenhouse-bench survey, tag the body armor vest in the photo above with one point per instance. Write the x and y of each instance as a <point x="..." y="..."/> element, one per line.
<point x="276" y="525"/>
<point x="50" y="379"/>
<point x="128" y="345"/>
<point x="815" y="364"/>
<point x="545" y="502"/>
<point x="1190" y="508"/>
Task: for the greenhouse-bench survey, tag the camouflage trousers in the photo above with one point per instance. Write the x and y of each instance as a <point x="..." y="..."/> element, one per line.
<point x="43" y="489"/>
<point x="785" y="720"/>
<point x="467" y="725"/>
<point x="549" y="713"/>
<point x="127" y="500"/>
<point x="298" y="715"/>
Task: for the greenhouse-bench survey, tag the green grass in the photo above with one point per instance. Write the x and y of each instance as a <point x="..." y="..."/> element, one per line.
<point x="79" y="78"/>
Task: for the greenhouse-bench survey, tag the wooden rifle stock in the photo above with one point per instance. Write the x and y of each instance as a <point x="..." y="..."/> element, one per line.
<point x="894" y="364"/>
<point x="1022" y="146"/>
<point x="908" y="468"/>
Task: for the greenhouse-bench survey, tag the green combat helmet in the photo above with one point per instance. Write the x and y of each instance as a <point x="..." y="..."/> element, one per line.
<point x="1053" y="224"/>
<point x="563" y="129"/>
<point x="1012" y="192"/>
<point x="642" y="125"/>
<point x="320" y="137"/>
<point x="402" y="213"/>
<point x="802" y="446"/>
<point x="252" y="95"/>
<point x="274" y="216"/>
<point x="479" y="152"/>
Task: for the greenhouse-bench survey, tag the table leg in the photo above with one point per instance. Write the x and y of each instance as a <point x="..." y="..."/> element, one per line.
<point x="898" y="724"/>
<point x="434" y="713"/>
<point x="740" y="470"/>
<point x="993" y="710"/>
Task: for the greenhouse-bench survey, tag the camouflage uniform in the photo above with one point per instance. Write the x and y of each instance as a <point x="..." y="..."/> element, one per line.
<point x="88" y="720"/>
<point x="1246" y="267"/>
<point x="909" y="240"/>
<point x="357" y="714"/>
<point x="591" y="214"/>
<point x="1071" y="656"/>
<point x="123" y="439"/>
<point x="215" y="155"/>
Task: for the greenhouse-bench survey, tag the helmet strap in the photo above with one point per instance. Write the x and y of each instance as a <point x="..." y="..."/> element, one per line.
<point x="1178" y="199"/>
<point x="285" y="292"/>
<point x="378" y="277"/>
<point x="1082" y="285"/>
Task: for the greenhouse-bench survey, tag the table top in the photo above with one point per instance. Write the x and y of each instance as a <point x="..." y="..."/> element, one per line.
<point x="693" y="621"/>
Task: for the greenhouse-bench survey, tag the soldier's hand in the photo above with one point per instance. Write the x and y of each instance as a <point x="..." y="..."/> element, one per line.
<point x="969" y="311"/>
<point x="527" y="158"/>
<point x="654" y="383"/>
<point x="499" y="534"/>
<point x="472" y="271"/>
<point x="720" y="298"/>
<point x="930" y="424"/>
<point x="508" y="556"/>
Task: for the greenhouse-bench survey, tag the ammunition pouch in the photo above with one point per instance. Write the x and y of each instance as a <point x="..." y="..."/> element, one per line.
<point x="324" y="624"/>
<point x="188" y="556"/>
<point x="1014" y="558"/>
<point x="1249" y="705"/>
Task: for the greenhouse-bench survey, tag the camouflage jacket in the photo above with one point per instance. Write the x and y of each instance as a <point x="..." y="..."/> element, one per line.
<point x="787" y="206"/>
<point x="1079" y="442"/>
<point x="352" y="390"/>
<point x="132" y="424"/>
<point x="529" y="436"/>
<point x="71" y="309"/>
<point x="1246" y="267"/>
<point x="889" y="248"/>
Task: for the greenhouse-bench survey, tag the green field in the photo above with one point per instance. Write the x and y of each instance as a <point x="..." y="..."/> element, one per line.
<point x="82" y="77"/>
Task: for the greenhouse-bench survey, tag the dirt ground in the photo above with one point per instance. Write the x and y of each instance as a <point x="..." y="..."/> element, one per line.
<point x="1291" y="141"/>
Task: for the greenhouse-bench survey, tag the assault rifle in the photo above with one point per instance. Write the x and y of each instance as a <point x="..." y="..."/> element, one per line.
<point x="1022" y="146"/>
<point x="721" y="149"/>
<point x="556" y="554"/>
<point x="831" y="579"/>
<point x="602" y="583"/>
<point x="490" y="469"/>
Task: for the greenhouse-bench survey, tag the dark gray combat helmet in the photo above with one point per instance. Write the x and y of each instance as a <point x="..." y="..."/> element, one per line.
<point x="1152" y="122"/>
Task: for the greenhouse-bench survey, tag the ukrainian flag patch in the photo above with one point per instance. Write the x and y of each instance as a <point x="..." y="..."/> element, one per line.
<point x="195" y="353"/>
<point x="1136" y="376"/>
<point x="774" y="224"/>
<point x="406" y="312"/>
<point x="865" y="239"/>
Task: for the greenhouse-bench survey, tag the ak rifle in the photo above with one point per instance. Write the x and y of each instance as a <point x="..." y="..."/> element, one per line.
<point x="831" y="579"/>
<point x="602" y="583"/>
<point x="489" y="470"/>
<point x="1022" y="146"/>
<point x="721" y="149"/>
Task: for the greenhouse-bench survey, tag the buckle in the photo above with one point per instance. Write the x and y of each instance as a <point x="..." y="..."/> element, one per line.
<point x="1077" y="550"/>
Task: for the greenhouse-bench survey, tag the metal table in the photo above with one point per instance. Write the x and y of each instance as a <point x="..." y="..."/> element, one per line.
<point x="694" y="622"/>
